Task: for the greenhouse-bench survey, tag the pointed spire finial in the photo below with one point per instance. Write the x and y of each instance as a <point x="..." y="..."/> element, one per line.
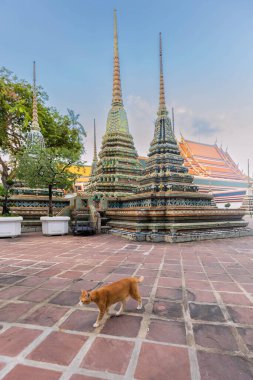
<point x="95" y="157"/>
<point x="162" y="105"/>
<point x="35" y="123"/>
<point x="248" y="172"/>
<point x="116" y="92"/>
<point x="34" y="136"/>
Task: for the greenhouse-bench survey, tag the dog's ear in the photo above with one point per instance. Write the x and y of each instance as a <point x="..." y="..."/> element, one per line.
<point x="88" y="294"/>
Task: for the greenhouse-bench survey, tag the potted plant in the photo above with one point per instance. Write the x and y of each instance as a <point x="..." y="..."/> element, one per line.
<point x="49" y="167"/>
<point x="10" y="224"/>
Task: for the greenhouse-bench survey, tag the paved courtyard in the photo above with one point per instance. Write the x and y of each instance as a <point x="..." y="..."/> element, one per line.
<point x="197" y="320"/>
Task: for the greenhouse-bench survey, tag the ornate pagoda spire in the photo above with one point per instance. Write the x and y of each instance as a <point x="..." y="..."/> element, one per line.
<point x="95" y="157"/>
<point x="164" y="169"/>
<point x="34" y="136"/>
<point x="173" y="120"/>
<point x="162" y="106"/>
<point x="116" y="89"/>
<point x="118" y="170"/>
<point x="35" y="123"/>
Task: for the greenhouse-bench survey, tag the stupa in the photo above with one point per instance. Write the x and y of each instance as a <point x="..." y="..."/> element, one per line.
<point x="95" y="156"/>
<point x="34" y="136"/>
<point x="118" y="169"/>
<point x="32" y="203"/>
<point x="247" y="204"/>
<point x="168" y="206"/>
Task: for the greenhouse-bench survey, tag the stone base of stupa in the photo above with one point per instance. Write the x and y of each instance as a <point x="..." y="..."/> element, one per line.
<point x="183" y="236"/>
<point x="174" y="218"/>
<point x="247" y="205"/>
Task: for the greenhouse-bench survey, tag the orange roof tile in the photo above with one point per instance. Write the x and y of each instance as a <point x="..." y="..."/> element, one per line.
<point x="209" y="160"/>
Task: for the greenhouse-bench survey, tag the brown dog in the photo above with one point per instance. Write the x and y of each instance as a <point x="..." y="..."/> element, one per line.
<point x="108" y="295"/>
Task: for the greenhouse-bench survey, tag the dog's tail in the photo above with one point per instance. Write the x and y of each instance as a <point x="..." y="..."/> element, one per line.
<point x="140" y="279"/>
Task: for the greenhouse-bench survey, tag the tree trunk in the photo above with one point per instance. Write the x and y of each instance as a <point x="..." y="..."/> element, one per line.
<point x="4" y="178"/>
<point x="50" y="194"/>
<point x="6" y="209"/>
<point x="4" y="172"/>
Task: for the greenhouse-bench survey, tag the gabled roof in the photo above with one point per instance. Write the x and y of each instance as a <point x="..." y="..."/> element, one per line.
<point x="209" y="160"/>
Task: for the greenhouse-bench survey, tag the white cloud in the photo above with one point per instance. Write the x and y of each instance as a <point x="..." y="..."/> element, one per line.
<point x="231" y="128"/>
<point x="141" y="114"/>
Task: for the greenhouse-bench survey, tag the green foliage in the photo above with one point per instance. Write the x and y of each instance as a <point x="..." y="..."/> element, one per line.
<point x="47" y="167"/>
<point x="16" y="118"/>
<point x="44" y="167"/>
<point x="2" y="191"/>
<point x="227" y="205"/>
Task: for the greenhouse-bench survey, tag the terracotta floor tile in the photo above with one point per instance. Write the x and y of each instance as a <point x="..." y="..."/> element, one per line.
<point x="22" y="372"/>
<point x="59" y="348"/>
<point x="221" y="367"/>
<point x="247" y="336"/>
<point x="226" y="287"/>
<point x="84" y="377"/>
<point x="199" y="285"/>
<point x="80" y="321"/>
<point x="125" y="272"/>
<point x="171" y="273"/>
<point x="66" y="298"/>
<point x="242" y="315"/>
<point x="204" y="296"/>
<point x="56" y="283"/>
<point x="11" y="279"/>
<point x="71" y="274"/>
<point x="195" y="276"/>
<point x="15" y="339"/>
<point x="32" y="281"/>
<point x="82" y="284"/>
<point x="169" y="294"/>
<point x="12" y="292"/>
<point x="169" y="310"/>
<point x="170" y="282"/>
<point x="46" y="315"/>
<point x="124" y="325"/>
<point x="148" y="280"/>
<point x="13" y="311"/>
<point x="248" y="287"/>
<point x="235" y="299"/>
<point x="37" y="295"/>
<point x="145" y="290"/>
<point x="211" y="336"/>
<point x="115" y="258"/>
<point x="158" y="362"/>
<point x="166" y="331"/>
<point x="206" y="312"/>
<point x="108" y="355"/>
<point x="2" y="365"/>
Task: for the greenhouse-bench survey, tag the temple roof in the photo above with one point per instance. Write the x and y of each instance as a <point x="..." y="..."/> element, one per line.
<point x="209" y="161"/>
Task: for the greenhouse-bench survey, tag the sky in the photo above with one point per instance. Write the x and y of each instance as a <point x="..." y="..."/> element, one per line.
<point x="207" y="54"/>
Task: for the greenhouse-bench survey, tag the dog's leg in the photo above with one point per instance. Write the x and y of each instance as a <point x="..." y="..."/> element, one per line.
<point x="139" y="307"/>
<point x="101" y="313"/>
<point x="122" y="307"/>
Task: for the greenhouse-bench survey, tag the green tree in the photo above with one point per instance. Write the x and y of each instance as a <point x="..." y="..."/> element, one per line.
<point x="16" y="118"/>
<point x="47" y="167"/>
